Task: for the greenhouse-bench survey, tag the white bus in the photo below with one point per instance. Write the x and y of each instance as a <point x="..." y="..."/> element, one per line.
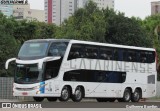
<point x="64" y="69"/>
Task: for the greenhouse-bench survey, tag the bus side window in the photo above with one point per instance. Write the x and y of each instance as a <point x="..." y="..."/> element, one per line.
<point x="151" y="57"/>
<point x="75" y="52"/>
<point x="57" y="49"/>
<point x="91" y="52"/>
<point x="124" y="55"/>
<point x="143" y="57"/>
<point x="115" y="53"/>
<point x="105" y="53"/>
<point x="53" y="51"/>
<point x="132" y="56"/>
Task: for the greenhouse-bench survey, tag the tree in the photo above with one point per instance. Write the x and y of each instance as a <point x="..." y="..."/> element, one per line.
<point x="46" y="30"/>
<point x="8" y="44"/>
<point x="25" y="30"/>
<point x="85" y="24"/>
<point x="152" y="25"/>
<point x="124" y="30"/>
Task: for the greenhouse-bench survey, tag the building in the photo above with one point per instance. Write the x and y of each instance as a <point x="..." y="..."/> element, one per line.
<point x="155" y="7"/>
<point x="21" y="13"/>
<point x="56" y="11"/>
<point x="21" y="10"/>
<point x="104" y="3"/>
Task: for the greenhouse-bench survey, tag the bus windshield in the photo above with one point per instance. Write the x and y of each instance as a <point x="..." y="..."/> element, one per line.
<point x="28" y="74"/>
<point x="32" y="49"/>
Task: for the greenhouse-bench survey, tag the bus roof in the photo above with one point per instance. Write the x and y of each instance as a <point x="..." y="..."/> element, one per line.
<point x="111" y="45"/>
<point x="92" y="43"/>
<point x="48" y="40"/>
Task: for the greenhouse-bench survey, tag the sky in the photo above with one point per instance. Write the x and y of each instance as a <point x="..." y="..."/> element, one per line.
<point x="137" y="8"/>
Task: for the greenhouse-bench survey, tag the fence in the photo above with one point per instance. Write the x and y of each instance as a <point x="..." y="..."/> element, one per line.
<point x="158" y="90"/>
<point x="6" y="86"/>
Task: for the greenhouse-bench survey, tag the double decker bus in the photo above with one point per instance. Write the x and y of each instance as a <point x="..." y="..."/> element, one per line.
<point x="63" y="69"/>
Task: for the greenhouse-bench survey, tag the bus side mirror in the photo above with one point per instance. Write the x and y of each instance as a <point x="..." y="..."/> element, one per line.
<point x="8" y="61"/>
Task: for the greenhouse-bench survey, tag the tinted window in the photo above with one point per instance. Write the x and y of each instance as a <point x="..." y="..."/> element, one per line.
<point x="91" y="52"/>
<point x="57" y="49"/>
<point x="95" y="76"/>
<point x="83" y="51"/>
<point x="106" y="53"/>
<point x="110" y="53"/>
<point x="151" y="57"/>
<point x="130" y="55"/>
<point x="76" y="51"/>
<point x="143" y="57"/>
<point x="52" y="69"/>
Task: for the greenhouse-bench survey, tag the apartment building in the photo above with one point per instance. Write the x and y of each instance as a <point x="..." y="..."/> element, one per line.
<point x="56" y="11"/>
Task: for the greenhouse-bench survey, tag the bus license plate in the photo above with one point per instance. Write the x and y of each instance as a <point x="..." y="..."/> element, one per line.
<point x="24" y="93"/>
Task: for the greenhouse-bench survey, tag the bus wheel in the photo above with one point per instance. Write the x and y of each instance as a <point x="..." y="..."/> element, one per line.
<point x="65" y="94"/>
<point x="102" y="99"/>
<point x="38" y="99"/>
<point x="52" y="99"/>
<point x="126" y="96"/>
<point x="78" y="95"/>
<point x="136" y="96"/>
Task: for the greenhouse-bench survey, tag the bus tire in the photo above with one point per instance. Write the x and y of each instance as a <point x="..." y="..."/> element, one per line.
<point x="126" y="96"/>
<point x="38" y="99"/>
<point x="102" y="99"/>
<point x="136" y="96"/>
<point x="78" y="95"/>
<point x="51" y="99"/>
<point x="65" y="94"/>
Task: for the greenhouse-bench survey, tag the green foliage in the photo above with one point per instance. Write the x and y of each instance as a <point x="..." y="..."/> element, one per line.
<point x="124" y="30"/>
<point x="152" y="25"/>
<point x="8" y="44"/>
<point x="85" y="24"/>
<point x="45" y="31"/>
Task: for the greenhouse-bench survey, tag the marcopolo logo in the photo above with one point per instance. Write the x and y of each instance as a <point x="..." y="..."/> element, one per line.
<point x="11" y="2"/>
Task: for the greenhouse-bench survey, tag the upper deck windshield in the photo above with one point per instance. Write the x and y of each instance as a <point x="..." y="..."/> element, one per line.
<point x="36" y="50"/>
<point x="33" y="49"/>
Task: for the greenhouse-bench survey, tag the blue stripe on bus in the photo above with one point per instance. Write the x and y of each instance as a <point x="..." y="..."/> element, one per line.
<point x="42" y="89"/>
